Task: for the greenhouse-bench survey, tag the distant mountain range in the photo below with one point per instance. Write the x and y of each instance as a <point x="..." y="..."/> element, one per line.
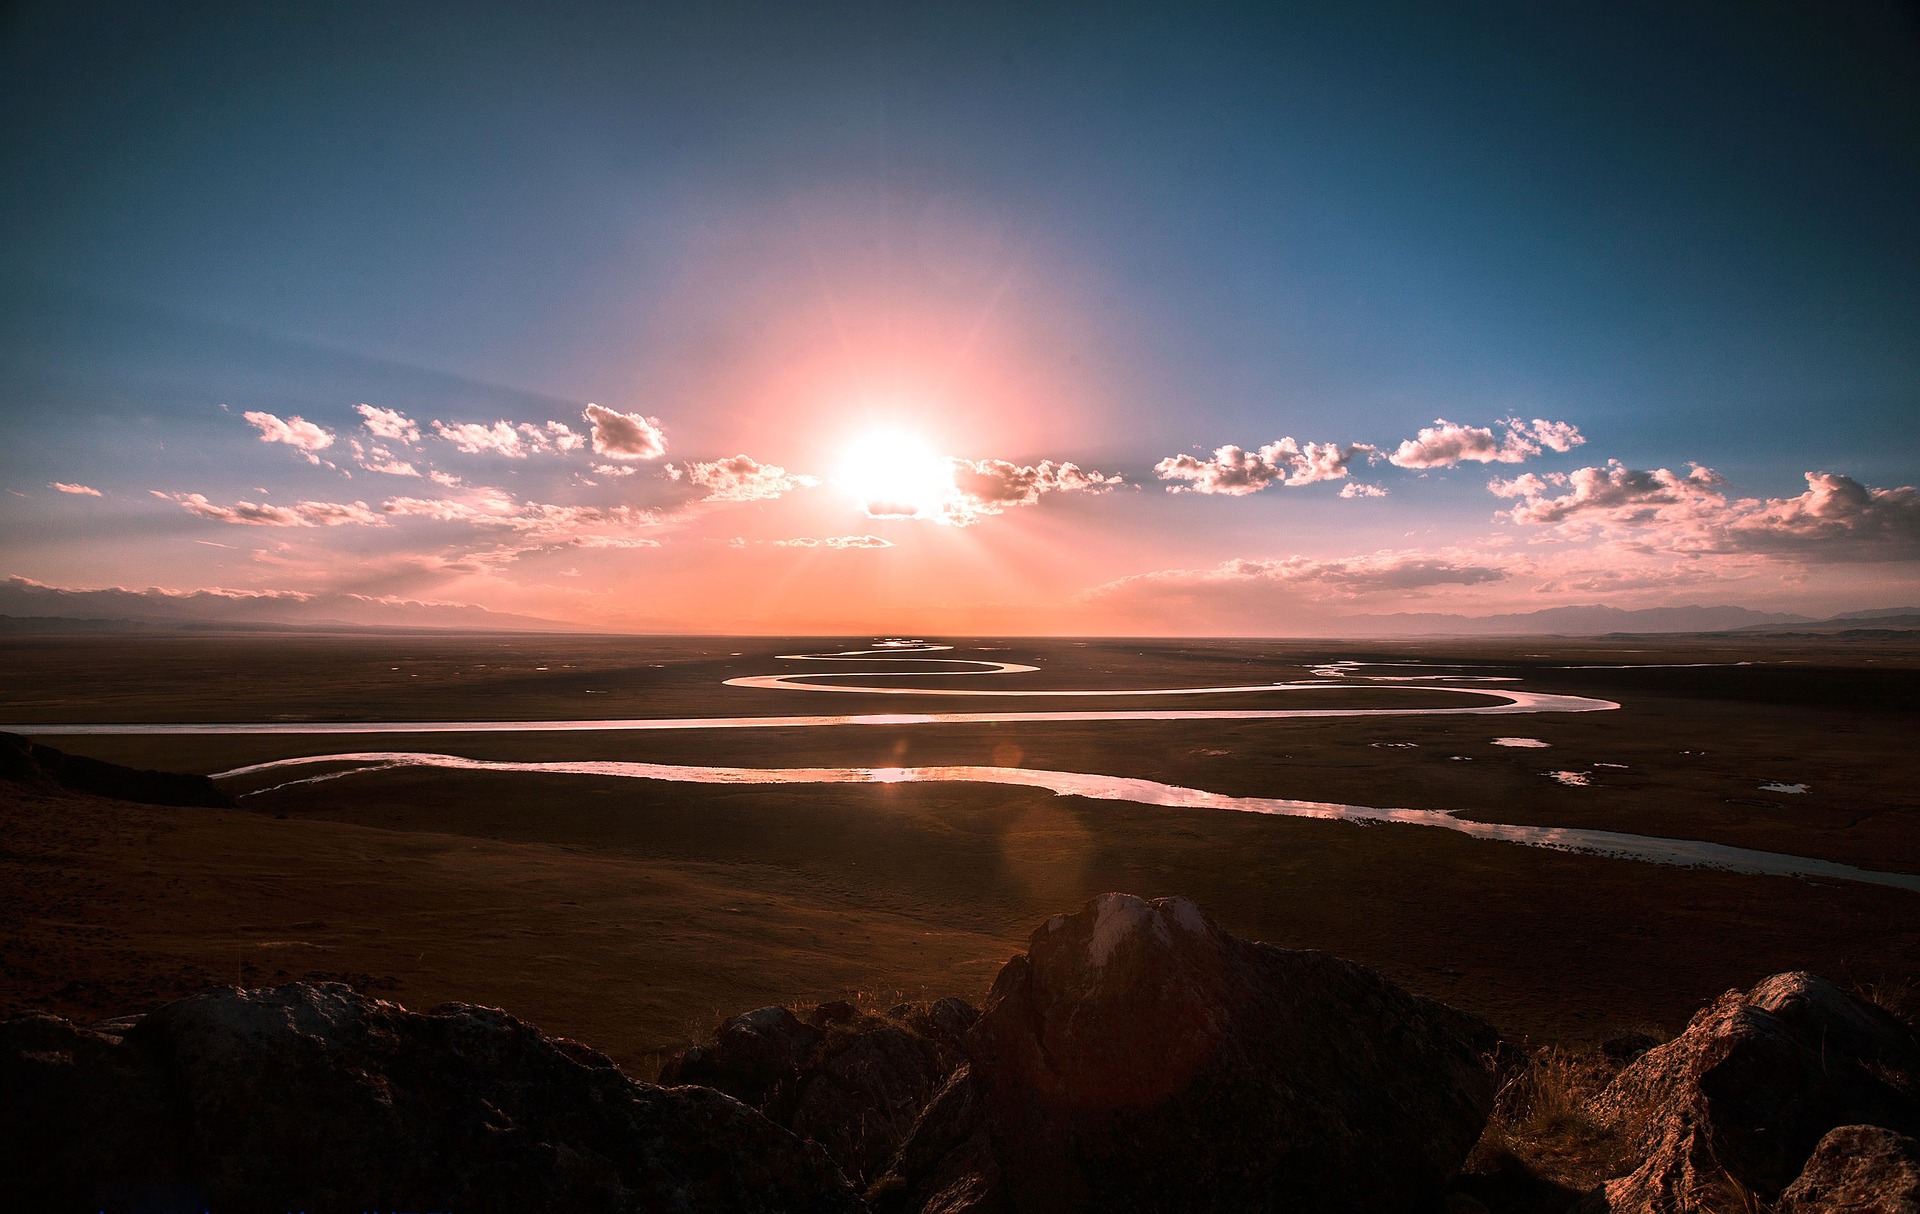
<point x="1597" y="620"/>
<point x="29" y="606"/>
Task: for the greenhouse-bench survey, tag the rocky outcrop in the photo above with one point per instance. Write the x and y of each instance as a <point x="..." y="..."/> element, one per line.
<point x="310" y="1097"/>
<point x="1137" y="1057"/>
<point x="852" y="1081"/>
<point x="1858" y="1169"/>
<point x="26" y="761"/>
<point x="1749" y="1090"/>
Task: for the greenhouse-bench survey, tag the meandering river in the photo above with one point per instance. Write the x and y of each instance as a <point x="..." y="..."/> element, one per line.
<point x="1491" y="701"/>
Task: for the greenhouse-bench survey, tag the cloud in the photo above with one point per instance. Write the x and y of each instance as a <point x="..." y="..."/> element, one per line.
<point x="447" y="479"/>
<point x="625" y="435"/>
<point x="255" y="514"/>
<point x="742" y="479"/>
<point x="83" y="490"/>
<point x="618" y="470"/>
<point x="545" y="521"/>
<point x="1262" y="593"/>
<point x="562" y="437"/>
<point x="1236" y="471"/>
<point x="1356" y="489"/>
<point x="515" y="440"/>
<point x="989" y="486"/>
<point x="1444" y="444"/>
<point x="1837" y="519"/>
<point x="475" y="438"/>
<point x="834" y="541"/>
<point x="295" y="432"/>
<point x="389" y="423"/>
<point x="376" y="458"/>
<point x="1614" y="495"/>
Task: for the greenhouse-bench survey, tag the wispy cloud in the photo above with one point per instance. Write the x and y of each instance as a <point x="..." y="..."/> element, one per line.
<point x="82" y="490"/>
<point x="258" y="514"/>
<point x="1356" y="489"/>
<point x="833" y="541"/>
<point x="375" y="458"/>
<point x="1379" y="572"/>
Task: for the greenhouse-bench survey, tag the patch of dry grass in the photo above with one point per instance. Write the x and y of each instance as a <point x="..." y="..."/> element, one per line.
<point x="1540" y="1137"/>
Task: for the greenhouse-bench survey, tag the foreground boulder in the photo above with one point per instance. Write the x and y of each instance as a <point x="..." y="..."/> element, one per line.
<point x="310" y="1097"/>
<point x="855" y="1082"/>
<point x="1756" y="1082"/>
<point x="1137" y="1057"/>
<point x="1858" y="1169"/>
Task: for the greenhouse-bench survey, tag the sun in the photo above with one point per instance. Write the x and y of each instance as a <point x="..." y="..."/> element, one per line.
<point x="895" y="475"/>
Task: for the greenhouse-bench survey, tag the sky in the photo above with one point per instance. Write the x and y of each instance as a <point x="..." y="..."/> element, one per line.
<point x="1188" y="319"/>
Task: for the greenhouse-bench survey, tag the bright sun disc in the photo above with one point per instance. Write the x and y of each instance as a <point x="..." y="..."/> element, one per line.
<point x="896" y="476"/>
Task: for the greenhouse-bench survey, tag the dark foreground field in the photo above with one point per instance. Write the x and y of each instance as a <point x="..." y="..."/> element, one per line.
<point x="630" y="914"/>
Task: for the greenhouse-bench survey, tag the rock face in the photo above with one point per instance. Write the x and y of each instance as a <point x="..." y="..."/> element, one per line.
<point x="853" y="1082"/>
<point x="1858" y="1169"/>
<point x="1138" y="1057"/>
<point x="27" y="761"/>
<point x="1753" y="1085"/>
<point x="310" y="1097"/>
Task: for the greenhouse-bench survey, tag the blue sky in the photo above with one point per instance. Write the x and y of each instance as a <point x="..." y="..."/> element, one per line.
<point x="1092" y="235"/>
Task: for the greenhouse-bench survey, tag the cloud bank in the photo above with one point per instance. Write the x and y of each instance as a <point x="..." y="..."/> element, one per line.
<point x="1836" y="520"/>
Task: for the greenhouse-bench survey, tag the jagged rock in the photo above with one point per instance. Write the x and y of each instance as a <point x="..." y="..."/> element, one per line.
<point x="752" y="1054"/>
<point x="1858" y="1169"/>
<point x="1749" y="1089"/>
<point x="854" y="1083"/>
<point x="310" y="1097"/>
<point x="1138" y="1057"/>
<point x="861" y="1102"/>
<point x="27" y="761"/>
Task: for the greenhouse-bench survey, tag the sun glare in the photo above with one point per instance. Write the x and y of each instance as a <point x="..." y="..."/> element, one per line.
<point x="895" y="475"/>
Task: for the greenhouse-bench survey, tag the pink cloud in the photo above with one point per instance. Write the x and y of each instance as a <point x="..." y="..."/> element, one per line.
<point x="376" y="458"/>
<point x="742" y="479"/>
<point x="295" y="432"/>
<point x="1356" y="489"/>
<point x="989" y="486"/>
<point x="625" y="435"/>
<point x="476" y="438"/>
<point x="1374" y="573"/>
<point x="545" y="521"/>
<point x="832" y="541"/>
<point x="1837" y="519"/>
<point x="389" y="423"/>
<point x="255" y="514"/>
<point x="1445" y="443"/>
<point x="82" y="490"/>
<point x="1236" y="471"/>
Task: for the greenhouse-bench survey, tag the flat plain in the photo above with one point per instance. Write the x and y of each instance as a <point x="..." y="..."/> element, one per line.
<point x="633" y="913"/>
